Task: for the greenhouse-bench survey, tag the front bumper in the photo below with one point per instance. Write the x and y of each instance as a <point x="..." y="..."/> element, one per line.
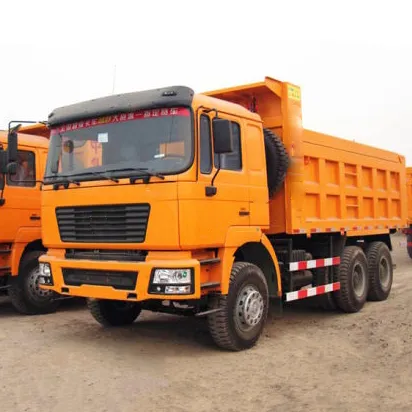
<point x="139" y="290"/>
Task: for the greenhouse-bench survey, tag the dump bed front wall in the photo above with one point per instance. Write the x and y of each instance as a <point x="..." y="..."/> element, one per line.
<point x="409" y="193"/>
<point x="348" y="186"/>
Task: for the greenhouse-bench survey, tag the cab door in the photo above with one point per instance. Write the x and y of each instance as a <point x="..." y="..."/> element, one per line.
<point x="22" y="196"/>
<point x="209" y="217"/>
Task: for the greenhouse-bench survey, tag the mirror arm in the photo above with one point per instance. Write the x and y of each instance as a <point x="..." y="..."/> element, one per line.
<point x="207" y="110"/>
<point x="212" y="190"/>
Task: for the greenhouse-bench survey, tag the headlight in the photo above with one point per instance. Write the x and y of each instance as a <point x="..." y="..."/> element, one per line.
<point x="45" y="276"/>
<point x="172" y="282"/>
<point x="172" y="276"/>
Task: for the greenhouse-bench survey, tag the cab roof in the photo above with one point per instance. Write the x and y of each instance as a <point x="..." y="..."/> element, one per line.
<point x="27" y="140"/>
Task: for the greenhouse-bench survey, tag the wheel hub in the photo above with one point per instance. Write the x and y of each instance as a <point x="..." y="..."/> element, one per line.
<point x="34" y="286"/>
<point x="249" y="308"/>
<point x="384" y="276"/>
<point x="358" y="280"/>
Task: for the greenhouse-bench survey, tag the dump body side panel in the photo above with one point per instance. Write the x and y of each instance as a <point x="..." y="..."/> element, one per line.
<point x="350" y="186"/>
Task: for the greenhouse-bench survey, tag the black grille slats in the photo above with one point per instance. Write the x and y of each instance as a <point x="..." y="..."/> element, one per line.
<point x="126" y="223"/>
<point x="103" y="254"/>
<point x="117" y="280"/>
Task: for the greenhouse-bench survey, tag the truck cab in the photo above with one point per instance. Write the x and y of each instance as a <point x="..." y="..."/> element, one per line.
<point x="20" y="216"/>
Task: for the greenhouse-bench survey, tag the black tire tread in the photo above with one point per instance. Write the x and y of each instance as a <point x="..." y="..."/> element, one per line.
<point x="106" y="318"/>
<point x="277" y="161"/>
<point x="218" y="322"/>
<point x="375" y="292"/>
<point x="409" y="248"/>
<point x="342" y="296"/>
<point x="17" y="294"/>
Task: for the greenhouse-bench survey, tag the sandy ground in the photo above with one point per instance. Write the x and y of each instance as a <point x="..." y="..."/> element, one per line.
<point x="306" y="361"/>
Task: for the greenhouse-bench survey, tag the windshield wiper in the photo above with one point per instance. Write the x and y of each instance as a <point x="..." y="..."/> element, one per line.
<point x="63" y="181"/>
<point x="145" y="174"/>
<point x="103" y="174"/>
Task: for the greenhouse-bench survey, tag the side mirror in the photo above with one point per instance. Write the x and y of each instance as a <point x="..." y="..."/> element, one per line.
<point x="11" y="168"/>
<point x="12" y="146"/>
<point x="222" y="136"/>
<point x="3" y="161"/>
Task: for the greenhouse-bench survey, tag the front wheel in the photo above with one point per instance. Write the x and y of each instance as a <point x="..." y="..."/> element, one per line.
<point x="25" y="293"/>
<point x="243" y="311"/>
<point x="114" y="312"/>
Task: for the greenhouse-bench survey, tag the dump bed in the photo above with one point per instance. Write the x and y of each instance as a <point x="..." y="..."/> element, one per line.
<point x="37" y="129"/>
<point x="333" y="184"/>
<point x="409" y="193"/>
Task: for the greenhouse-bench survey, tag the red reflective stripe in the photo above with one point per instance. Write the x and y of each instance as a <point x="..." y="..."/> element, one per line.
<point x="336" y="260"/>
<point x="302" y="294"/>
<point x="314" y="291"/>
<point x="312" y="264"/>
<point x="320" y="290"/>
<point x="302" y="265"/>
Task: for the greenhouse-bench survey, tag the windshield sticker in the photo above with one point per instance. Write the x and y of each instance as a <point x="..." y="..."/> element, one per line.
<point x="103" y="137"/>
<point x="123" y="117"/>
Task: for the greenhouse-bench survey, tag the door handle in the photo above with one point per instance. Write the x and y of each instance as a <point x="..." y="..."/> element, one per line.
<point x="34" y="217"/>
<point x="244" y="213"/>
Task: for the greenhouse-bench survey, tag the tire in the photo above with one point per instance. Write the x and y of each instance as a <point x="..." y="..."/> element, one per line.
<point x="229" y="328"/>
<point x="380" y="271"/>
<point x="409" y="242"/>
<point x="277" y="161"/>
<point x="114" y="312"/>
<point x="25" y="294"/>
<point x="353" y="267"/>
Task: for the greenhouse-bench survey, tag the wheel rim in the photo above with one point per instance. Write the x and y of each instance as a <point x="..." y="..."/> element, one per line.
<point x="358" y="280"/>
<point x="249" y="308"/>
<point x="34" y="286"/>
<point x="384" y="272"/>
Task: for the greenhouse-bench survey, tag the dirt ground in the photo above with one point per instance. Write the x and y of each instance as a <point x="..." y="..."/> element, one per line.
<point x="306" y="361"/>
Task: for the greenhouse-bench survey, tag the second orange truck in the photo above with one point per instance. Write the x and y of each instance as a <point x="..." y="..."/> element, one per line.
<point x="211" y="204"/>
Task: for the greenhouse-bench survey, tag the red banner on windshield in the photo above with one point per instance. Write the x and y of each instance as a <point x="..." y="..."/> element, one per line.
<point x="123" y="117"/>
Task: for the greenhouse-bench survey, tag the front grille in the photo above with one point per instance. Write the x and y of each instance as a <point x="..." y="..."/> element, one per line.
<point x="103" y="254"/>
<point x="125" y="223"/>
<point x="117" y="280"/>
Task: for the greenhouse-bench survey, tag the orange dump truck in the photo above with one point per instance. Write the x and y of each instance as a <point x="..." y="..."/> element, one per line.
<point x="20" y="234"/>
<point x="211" y="204"/>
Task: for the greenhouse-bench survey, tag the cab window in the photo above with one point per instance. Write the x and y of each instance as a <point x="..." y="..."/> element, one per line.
<point x="232" y="161"/>
<point x="26" y="170"/>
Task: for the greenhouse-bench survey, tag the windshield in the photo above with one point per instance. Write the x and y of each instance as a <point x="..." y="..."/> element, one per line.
<point x="156" y="140"/>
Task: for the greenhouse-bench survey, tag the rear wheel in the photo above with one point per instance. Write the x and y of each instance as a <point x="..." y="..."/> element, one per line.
<point x="239" y="323"/>
<point x="114" y="312"/>
<point x="354" y="281"/>
<point x="409" y="245"/>
<point x="380" y="271"/>
<point x="25" y="293"/>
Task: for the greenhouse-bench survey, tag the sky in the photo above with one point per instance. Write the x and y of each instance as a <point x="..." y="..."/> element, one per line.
<point x="352" y="59"/>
